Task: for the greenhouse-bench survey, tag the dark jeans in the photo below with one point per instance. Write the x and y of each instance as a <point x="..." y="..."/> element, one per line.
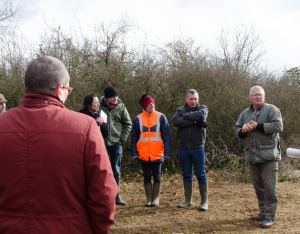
<point x="155" y="168"/>
<point x="190" y="158"/>
<point x="115" y="153"/>
<point x="264" y="179"/>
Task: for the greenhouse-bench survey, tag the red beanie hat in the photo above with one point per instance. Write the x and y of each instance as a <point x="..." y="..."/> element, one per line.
<point x="145" y="100"/>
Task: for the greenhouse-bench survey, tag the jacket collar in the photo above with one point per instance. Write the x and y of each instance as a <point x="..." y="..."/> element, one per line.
<point x="146" y="113"/>
<point x="251" y="107"/>
<point x="101" y="100"/>
<point x="40" y="100"/>
<point x="186" y="106"/>
<point x="90" y="113"/>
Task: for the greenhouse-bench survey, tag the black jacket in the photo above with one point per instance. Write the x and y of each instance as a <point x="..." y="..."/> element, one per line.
<point x="95" y="115"/>
<point x="191" y="134"/>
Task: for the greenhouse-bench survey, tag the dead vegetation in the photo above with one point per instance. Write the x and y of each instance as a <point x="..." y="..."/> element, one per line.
<point x="231" y="204"/>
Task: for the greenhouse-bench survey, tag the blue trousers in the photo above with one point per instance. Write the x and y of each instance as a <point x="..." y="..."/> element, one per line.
<point x="115" y="153"/>
<point x="190" y="158"/>
<point x="153" y="168"/>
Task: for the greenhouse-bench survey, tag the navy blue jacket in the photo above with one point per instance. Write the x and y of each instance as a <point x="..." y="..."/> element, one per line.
<point x="190" y="134"/>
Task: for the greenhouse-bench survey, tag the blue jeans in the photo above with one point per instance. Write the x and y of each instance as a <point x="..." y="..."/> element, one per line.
<point x="115" y="153"/>
<point x="189" y="158"/>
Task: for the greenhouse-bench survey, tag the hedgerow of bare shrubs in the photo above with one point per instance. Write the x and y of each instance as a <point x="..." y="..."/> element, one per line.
<point x="222" y="77"/>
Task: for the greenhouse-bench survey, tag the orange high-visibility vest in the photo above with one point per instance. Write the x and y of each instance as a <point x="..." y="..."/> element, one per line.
<point x="150" y="145"/>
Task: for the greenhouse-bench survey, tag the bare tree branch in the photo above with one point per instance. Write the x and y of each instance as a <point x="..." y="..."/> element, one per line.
<point x="8" y="10"/>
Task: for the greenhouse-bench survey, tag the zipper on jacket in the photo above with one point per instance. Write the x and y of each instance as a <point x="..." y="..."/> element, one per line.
<point x="149" y="136"/>
<point x="254" y="115"/>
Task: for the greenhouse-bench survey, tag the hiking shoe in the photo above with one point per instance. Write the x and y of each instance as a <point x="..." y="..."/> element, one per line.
<point x="258" y="217"/>
<point x="267" y="223"/>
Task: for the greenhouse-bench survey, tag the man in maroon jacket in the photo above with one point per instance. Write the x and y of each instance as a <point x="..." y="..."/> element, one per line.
<point x="55" y="175"/>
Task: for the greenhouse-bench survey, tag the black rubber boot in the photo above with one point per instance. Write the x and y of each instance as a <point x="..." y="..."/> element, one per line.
<point x="119" y="200"/>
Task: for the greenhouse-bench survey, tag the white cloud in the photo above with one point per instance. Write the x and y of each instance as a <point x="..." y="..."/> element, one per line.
<point x="277" y="20"/>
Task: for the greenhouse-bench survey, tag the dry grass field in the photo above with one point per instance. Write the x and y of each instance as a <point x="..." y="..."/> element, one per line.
<point x="231" y="204"/>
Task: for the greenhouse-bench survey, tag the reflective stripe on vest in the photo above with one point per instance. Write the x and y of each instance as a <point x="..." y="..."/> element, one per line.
<point x="156" y="138"/>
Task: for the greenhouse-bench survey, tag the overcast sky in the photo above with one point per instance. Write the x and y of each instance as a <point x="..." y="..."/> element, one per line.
<point x="277" y="20"/>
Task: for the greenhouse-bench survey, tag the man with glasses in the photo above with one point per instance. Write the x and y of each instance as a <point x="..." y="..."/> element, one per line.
<point x="119" y="128"/>
<point x="55" y="175"/>
<point x="2" y="103"/>
<point x="259" y="126"/>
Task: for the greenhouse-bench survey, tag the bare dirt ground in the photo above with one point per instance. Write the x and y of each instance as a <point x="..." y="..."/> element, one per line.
<point x="231" y="204"/>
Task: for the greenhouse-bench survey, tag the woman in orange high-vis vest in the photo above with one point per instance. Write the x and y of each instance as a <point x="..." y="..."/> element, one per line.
<point x="151" y="143"/>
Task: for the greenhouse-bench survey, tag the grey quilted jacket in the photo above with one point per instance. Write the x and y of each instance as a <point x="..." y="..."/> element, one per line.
<point x="261" y="144"/>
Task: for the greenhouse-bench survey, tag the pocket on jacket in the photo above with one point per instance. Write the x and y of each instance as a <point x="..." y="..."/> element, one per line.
<point x="275" y="169"/>
<point x="92" y="151"/>
<point x="116" y="116"/>
<point x="278" y="145"/>
<point x="267" y="152"/>
<point x="248" y="154"/>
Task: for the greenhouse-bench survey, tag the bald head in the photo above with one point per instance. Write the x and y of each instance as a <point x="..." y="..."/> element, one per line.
<point x="44" y="73"/>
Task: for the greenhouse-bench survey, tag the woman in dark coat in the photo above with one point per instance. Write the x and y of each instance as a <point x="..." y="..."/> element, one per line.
<point x="91" y="107"/>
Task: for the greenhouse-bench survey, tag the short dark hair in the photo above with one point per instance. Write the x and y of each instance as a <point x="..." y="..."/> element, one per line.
<point x="88" y="99"/>
<point x="44" y="73"/>
<point x="192" y="91"/>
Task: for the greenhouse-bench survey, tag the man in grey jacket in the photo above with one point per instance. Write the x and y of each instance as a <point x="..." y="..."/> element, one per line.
<point x="259" y="126"/>
<point x="191" y="122"/>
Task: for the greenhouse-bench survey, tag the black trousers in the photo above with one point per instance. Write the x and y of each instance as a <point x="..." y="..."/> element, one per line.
<point x="153" y="168"/>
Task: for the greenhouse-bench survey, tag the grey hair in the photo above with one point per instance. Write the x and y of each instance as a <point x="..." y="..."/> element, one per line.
<point x="44" y="73"/>
<point x="192" y="91"/>
<point x="257" y="87"/>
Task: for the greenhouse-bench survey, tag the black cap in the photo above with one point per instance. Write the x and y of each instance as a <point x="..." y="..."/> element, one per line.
<point x="110" y="91"/>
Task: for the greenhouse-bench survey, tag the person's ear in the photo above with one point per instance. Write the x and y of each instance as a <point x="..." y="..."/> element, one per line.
<point x="58" y="93"/>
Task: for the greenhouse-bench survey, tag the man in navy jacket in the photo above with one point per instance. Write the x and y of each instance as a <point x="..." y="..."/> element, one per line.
<point x="191" y="122"/>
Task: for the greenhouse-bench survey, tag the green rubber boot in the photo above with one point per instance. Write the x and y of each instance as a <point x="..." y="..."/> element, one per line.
<point x="155" y="194"/>
<point x="188" y="191"/>
<point x="148" y="191"/>
<point x="204" y="196"/>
